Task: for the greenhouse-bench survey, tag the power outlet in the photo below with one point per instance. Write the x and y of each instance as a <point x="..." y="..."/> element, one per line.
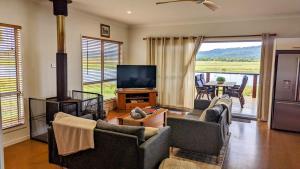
<point x="53" y="65"/>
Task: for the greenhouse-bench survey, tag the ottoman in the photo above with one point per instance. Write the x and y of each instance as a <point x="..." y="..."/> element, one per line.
<point x="173" y="163"/>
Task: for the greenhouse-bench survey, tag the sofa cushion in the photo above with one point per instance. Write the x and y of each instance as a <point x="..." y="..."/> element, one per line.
<point x="138" y="131"/>
<point x="150" y="132"/>
<point x="213" y="114"/>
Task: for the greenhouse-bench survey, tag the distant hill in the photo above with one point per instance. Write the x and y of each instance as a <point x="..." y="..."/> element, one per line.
<point x="252" y="53"/>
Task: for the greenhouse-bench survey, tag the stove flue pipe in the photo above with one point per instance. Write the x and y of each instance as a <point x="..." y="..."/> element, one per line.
<point x="60" y="10"/>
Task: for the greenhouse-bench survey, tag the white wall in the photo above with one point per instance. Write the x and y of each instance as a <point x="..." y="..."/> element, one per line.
<point x="284" y="27"/>
<point x="39" y="48"/>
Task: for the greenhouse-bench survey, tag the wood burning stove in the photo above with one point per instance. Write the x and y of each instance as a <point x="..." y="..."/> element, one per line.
<point x="42" y="111"/>
<point x="79" y="103"/>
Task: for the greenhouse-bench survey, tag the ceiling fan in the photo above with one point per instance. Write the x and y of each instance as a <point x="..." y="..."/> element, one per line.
<point x="209" y="4"/>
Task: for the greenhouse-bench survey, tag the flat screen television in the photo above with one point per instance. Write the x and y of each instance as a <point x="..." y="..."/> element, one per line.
<point x="136" y="76"/>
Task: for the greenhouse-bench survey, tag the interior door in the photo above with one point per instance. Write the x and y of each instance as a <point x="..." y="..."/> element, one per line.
<point x="286" y="116"/>
<point x="287" y="77"/>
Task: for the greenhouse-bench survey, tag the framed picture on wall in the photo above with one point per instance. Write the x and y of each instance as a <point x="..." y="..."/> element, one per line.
<point x="105" y="30"/>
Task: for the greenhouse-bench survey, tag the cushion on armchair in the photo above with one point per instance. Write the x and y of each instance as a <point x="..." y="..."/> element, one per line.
<point x="213" y="114"/>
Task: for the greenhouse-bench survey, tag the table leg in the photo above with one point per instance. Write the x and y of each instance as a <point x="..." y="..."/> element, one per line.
<point x="121" y="121"/>
<point x="217" y="90"/>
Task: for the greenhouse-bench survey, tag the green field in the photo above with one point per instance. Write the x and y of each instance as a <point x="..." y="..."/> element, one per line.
<point x="230" y="67"/>
<point x="227" y="67"/>
<point x="109" y="89"/>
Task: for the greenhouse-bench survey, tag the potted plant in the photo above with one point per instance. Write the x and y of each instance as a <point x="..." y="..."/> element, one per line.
<point x="220" y="80"/>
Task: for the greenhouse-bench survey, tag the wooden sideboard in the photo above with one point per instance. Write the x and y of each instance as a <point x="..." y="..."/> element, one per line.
<point x="128" y="99"/>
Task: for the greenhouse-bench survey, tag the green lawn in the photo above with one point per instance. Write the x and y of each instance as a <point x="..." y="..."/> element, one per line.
<point x="109" y="89"/>
<point x="227" y="67"/>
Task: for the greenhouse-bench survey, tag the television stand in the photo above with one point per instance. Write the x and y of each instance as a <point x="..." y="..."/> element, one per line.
<point x="128" y="99"/>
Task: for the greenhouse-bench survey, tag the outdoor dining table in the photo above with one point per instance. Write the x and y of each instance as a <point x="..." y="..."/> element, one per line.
<point x="217" y="85"/>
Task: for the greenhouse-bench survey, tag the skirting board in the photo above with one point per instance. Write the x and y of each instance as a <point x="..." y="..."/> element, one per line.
<point x="15" y="141"/>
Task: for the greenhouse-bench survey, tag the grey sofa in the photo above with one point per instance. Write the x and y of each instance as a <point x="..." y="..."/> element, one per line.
<point x="115" y="150"/>
<point x="190" y="133"/>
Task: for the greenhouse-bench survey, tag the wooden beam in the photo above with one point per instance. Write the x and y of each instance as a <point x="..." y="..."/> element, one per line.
<point x="254" y="86"/>
<point x="207" y="76"/>
<point x="214" y="37"/>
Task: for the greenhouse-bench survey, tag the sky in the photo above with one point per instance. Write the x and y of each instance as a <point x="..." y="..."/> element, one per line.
<point x="224" y="45"/>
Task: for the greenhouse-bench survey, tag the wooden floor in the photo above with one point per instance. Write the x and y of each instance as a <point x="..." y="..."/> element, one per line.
<point x="252" y="146"/>
<point x="250" y="107"/>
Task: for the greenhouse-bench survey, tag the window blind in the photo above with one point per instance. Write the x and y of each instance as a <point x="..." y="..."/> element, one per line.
<point x="91" y="64"/>
<point x="11" y="82"/>
<point x="99" y="65"/>
<point x="111" y="60"/>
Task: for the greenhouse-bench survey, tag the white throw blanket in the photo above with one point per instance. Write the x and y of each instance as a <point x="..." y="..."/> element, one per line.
<point x="73" y="134"/>
<point x="226" y="102"/>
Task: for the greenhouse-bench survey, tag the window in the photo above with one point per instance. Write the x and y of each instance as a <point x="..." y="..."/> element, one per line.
<point x="11" y="83"/>
<point x="99" y="65"/>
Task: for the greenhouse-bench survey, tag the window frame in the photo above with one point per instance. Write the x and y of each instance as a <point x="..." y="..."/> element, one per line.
<point x="102" y="51"/>
<point x="19" y="93"/>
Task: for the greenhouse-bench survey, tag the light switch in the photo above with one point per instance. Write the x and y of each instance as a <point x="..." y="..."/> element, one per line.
<point x="53" y="65"/>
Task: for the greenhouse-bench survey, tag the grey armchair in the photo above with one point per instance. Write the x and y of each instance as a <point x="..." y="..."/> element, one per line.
<point x="190" y="133"/>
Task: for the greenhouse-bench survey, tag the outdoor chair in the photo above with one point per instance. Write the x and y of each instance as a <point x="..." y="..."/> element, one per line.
<point x="201" y="89"/>
<point x="237" y="91"/>
<point x="210" y="88"/>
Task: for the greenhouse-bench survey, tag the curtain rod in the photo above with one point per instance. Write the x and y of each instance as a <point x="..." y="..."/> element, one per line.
<point x="233" y="36"/>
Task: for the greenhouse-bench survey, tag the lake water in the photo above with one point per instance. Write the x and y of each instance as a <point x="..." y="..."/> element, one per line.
<point x="238" y="78"/>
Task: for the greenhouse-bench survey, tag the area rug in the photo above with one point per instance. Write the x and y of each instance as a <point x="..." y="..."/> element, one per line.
<point x="202" y="160"/>
<point x="241" y="120"/>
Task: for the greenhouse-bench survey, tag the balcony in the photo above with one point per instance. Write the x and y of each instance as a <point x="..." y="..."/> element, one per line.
<point x="250" y="92"/>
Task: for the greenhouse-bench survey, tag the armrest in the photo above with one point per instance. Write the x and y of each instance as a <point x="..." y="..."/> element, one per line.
<point x="54" y="158"/>
<point x="201" y="104"/>
<point x="155" y="149"/>
<point x="223" y="121"/>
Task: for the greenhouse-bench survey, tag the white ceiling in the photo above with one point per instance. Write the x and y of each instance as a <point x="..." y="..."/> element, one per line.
<point x="146" y="12"/>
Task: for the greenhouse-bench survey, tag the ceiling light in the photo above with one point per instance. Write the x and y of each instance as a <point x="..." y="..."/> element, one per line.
<point x="129" y="12"/>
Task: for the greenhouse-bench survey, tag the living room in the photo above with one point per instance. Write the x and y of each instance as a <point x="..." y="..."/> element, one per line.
<point x="139" y="28"/>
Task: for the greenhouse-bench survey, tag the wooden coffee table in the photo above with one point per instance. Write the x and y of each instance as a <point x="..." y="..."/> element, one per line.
<point x="157" y="119"/>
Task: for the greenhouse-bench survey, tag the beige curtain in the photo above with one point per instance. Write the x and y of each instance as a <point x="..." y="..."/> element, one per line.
<point x="175" y="60"/>
<point x="265" y="77"/>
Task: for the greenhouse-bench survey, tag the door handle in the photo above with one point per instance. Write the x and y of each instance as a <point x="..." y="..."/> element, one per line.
<point x="288" y="103"/>
<point x="297" y="81"/>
